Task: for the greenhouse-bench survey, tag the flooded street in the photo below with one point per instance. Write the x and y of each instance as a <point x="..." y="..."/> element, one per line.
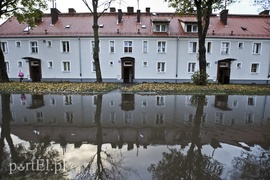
<point x="135" y="136"/>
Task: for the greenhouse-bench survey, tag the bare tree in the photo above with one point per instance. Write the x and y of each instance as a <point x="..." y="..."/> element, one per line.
<point x="94" y="10"/>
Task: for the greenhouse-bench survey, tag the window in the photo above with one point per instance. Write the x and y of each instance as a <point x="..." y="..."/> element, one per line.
<point x="144" y="118"/>
<point x="145" y="46"/>
<point x="67" y="100"/>
<point x="160" y="119"/>
<point x="65" y="46"/>
<point x="249" y="118"/>
<point x="4" y="47"/>
<point x="251" y="101"/>
<point x="192" y="47"/>
<point x="33" y="47"/>
<point x="112" y="47"/>
<point x="93" y="67"/>
<point x="145" y="64"/>
<point x="238" y="65"/>
<point x="111" y="63"/>
<point x="191" y="67"/>
<point x="254" y="68"/>
<point x="66" y="66"/>
<point x="39" y="117"/>
<point x="240" y="45"/>
<point x="225" y="47"/>
<point x="7" y="65"/>
<point x="93" y="46"/>
<point x="192" y="28"/>
<point x="160" y="28"/>
<point x="20" y="64"/>
<point x="161" y="67"/>
<point x="69" y="117"/>
<point x="49" y="43"/>
<point x="50" y="64"/>
<point x="18" y="43"/>
<point x="256" y="48"/>
<point x="161" y="46"/>
<point x="128" y="46"/>
<point x="209" y="47"/>
<point x="160" y="101"/>
<point x="219" y="118"/>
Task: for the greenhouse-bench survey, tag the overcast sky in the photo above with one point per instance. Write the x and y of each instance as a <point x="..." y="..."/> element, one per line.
<point x="244" y="7"/>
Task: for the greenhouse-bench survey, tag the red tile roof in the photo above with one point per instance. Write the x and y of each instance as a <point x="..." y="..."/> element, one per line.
<point x="81" y="25"/>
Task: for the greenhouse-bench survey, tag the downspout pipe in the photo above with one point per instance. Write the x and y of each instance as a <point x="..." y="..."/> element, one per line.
<point x="80" y="57"/>
<point x="177" y="59"/>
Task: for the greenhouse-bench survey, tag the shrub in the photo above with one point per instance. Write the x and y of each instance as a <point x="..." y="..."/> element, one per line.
<point x="200" y="78"/>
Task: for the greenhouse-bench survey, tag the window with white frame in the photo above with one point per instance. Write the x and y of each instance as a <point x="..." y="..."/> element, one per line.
<point x="128" y="46"/>
<point x="93" y="46"/>
<point x="19" y="64"/>
<point x="161" y="28"/>
<point x="4" y="47"/>
<point x="256" y="48"/>
<point x="7" y="66"/>
<point x="145" y="46"/>
<point x="93" y="66"/>
<point x="240" y="45"/>
<point x="69" y="117"/>
<point x="238" y="65"/>
<point x="18" y="43"/>
<point x="251" y="101"/>
<point x="160" y="101"/>
<point x="225" y="47"/>
<point x="65" y="66"/>
<point x="49" y="43"/>
<point x="33" y="47"/>
<point x="50" y="64"/>
<point x="209" y="47"/>
<point x="112" y="46"/>
<point x="254" y="68"/>
<point x="145" y="63"/>
<point x="160" y="118"/>
<point x="161" y="46"/>
<point x="191" y="28"/>
<point x="192" y="47"/>
<point x="191" y="67"/>
<point x="65" y="46"/>
<point x="161" y="67"/>
<point x="67" y="100"/>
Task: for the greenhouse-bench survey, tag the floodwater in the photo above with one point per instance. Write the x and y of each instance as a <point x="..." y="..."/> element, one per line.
<point x="134" y="136"/>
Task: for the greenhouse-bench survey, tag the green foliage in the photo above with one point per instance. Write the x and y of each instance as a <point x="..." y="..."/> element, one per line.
<point x="200" y="78"/>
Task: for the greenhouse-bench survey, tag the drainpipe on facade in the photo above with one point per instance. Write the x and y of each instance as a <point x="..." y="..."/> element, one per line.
<point x="176" y="65"/>
<point x="80" y="57"/>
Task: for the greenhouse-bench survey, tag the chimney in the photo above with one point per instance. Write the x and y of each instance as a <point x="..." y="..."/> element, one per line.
<point x="54" y="13"/>
<point x="138" y="16"/>
<point x="224" y="16"/>
<point x="130" y="10"/>
<point x="71" y="11"/>
<point x="120" y="14"/>
<point x="112" y="9"/>
<point x="147" y="10"/>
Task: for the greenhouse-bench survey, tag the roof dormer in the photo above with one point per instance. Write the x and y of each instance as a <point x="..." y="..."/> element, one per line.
<point x="160" y="25"/>
<point x="189" y="24"/>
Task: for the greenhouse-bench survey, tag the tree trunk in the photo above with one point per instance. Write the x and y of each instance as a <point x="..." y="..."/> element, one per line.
<point x="96" y="41"/>
<point x="3" y="69"/>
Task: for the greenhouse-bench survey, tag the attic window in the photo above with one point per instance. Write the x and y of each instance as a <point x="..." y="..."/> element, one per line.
<point x="244" y="28"/>
<point x="68" y="26"/>
<point x="101" y="25"/>
<point x="27" y="29"/>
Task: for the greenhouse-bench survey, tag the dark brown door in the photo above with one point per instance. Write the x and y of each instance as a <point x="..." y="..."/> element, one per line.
<point x="128" y="70"/>
<point x="224" y="70"/>
<point x="35" y="70"/>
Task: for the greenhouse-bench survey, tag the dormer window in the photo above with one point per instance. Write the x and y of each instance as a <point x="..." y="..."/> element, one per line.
<point x="161" y="28"/>
<point x="191" y="28"/>
<point x="160" y="25"/>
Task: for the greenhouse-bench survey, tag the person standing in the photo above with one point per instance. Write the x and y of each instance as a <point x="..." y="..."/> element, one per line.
<point x="21" y="75"/>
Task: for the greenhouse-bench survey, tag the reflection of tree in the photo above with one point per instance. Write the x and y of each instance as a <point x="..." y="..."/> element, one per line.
<point x="36" y="161"/>
<point x="192" y="165"/>
<point x="252" y="165"/>
<point x="107" y="166"/>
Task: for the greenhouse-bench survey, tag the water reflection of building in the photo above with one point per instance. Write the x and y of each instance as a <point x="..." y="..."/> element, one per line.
<point x="141" y="119"/>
